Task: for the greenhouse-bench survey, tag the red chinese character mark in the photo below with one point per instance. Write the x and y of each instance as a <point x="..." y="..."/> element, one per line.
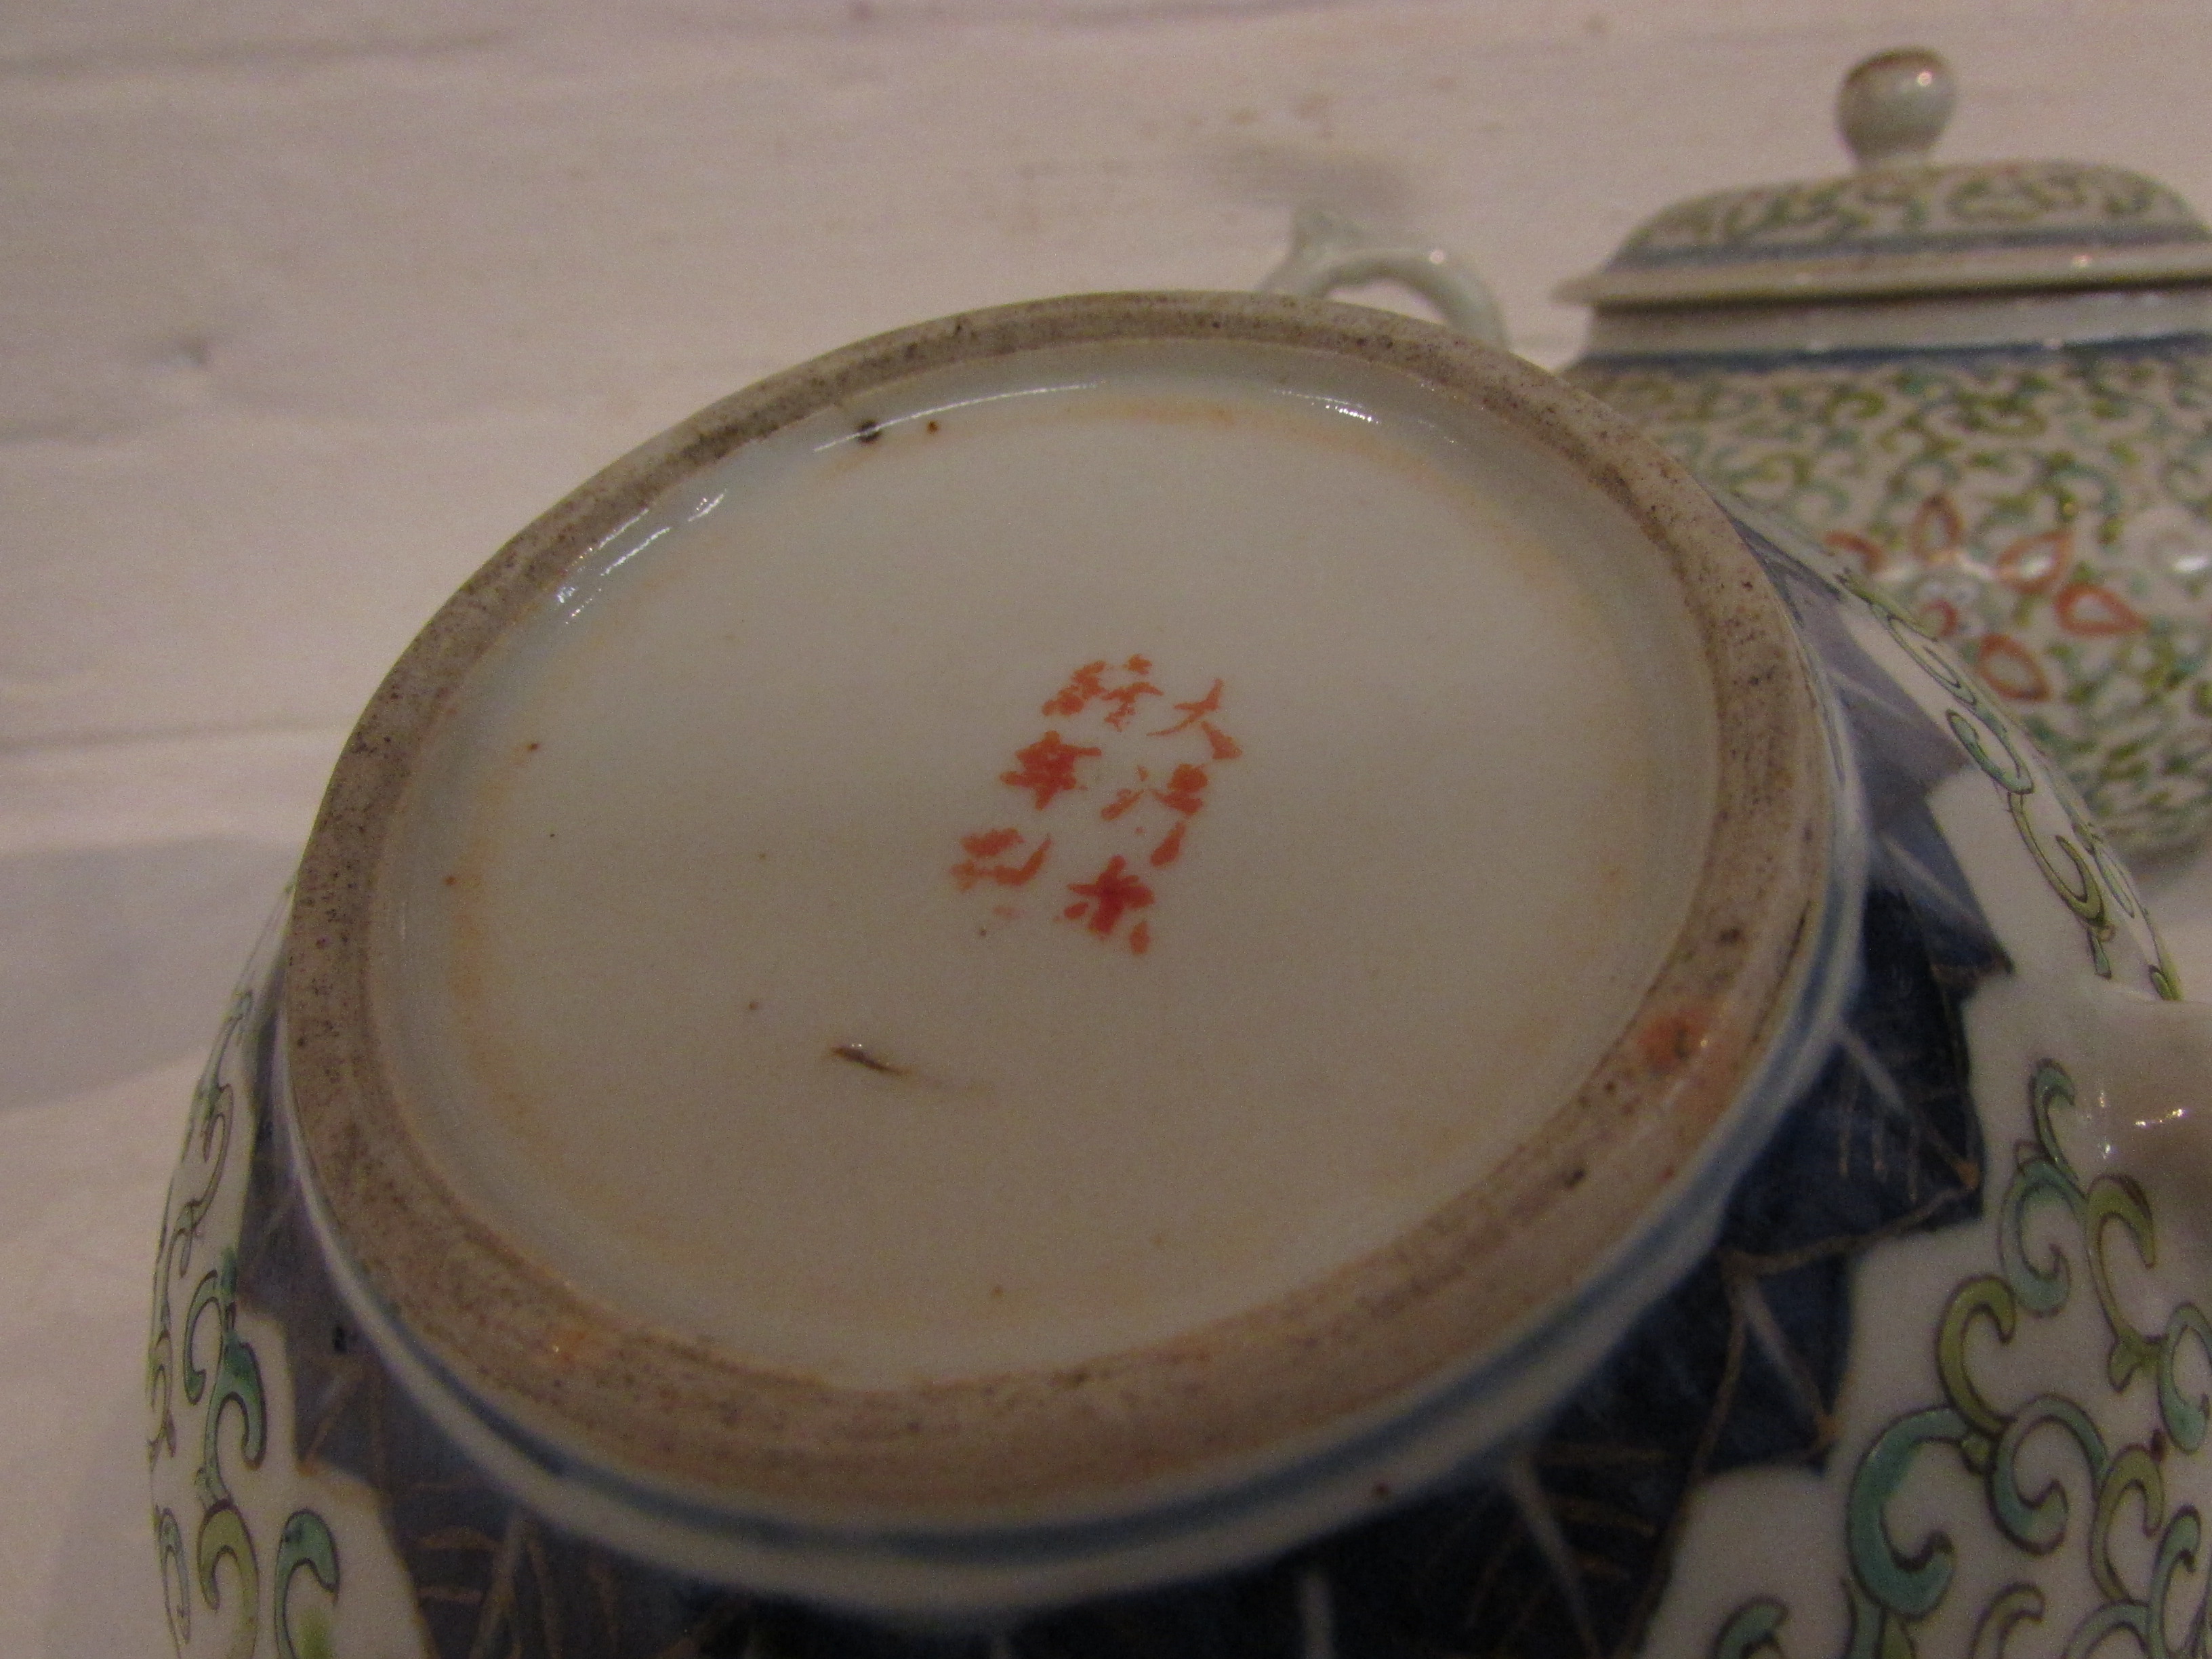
<point x="1124" y="699"/>
<point x="1048" y="767"/>
<point x="1126" y="799"/>
<point x="1113" y="894"/>
<point x="1223" y="746"/>
<point x="1101" y="701"/>
<point x="988" y="845"/>
<point x="1087" y="685"/>
<point x="1186" y="786"/>
<point x="1193" y="713"/>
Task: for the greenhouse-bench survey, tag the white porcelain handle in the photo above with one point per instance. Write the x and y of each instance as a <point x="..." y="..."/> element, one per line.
<point x="1329" y="252"/>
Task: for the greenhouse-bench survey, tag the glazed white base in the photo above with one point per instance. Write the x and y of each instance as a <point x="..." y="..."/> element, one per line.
<point x="694" y="1007"/>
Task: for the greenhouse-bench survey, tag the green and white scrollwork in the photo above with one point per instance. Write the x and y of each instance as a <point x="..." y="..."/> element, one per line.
<point x="1896" y="1582"/>
<point x="209" y="1406"/>
<point x="2056" y="201"/>
<point x="2048" y="513"/>
<point x="208" y="1131"/>
<point x="2077" y="862"/>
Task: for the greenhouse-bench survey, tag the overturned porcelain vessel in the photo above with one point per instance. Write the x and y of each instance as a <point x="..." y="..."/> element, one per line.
<point x="1989" y="387"/>
<point x="1185" y="974"/>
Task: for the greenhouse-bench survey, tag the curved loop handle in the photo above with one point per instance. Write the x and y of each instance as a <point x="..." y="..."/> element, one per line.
<point x="1329" y="251"/>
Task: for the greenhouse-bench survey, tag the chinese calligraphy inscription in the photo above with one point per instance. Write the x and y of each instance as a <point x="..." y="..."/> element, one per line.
<point x="1105" y="799"/>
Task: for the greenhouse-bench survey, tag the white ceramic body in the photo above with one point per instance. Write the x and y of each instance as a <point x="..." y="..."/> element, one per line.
<point x="1918" y="1361"/>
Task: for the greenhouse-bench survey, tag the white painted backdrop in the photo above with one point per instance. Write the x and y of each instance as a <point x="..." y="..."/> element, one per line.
<point x="305" y="305"/>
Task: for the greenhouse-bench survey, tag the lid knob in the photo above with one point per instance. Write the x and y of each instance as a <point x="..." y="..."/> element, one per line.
<point x="1893" y="107"/>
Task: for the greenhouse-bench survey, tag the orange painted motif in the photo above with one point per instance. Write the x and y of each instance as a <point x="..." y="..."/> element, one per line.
<point x="1126" y="799"/>
<point x="2034" y="565"/>
<point x="988" y="845"/>
<point x="2011" y="668"/>
<point x="1096" y="747"/>
<point x="2086" y="609"/>
<point x="1193" y="713"/>
<point x="1109" y="896"/>
<point x="1087" y="685"/>
<point x="1048" y="767"/>
<point x="1869" y="556"/>
<point x="1936" y="529"/>
<point x="1939" y="618"/>
<point x="1184" y="791"/>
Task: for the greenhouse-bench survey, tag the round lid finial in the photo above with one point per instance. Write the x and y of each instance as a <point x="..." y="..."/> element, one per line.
<point x="1893" y="107"/>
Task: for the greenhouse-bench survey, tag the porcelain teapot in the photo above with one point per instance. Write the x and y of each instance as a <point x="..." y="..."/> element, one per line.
<point x="1989" y="387"/>
<point x="1186" y="974"/>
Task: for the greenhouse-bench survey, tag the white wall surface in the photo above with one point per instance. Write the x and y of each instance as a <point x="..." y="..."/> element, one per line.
<point x="304" y="308"/>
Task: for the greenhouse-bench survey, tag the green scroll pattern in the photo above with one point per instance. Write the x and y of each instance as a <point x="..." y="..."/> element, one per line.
<point x="2051" y="200"/>
<point x="1896" y="1585"/>
<point x="207" y="1400"/>
<point x="2077" y="863"/>
<point x="2056" y="506"/>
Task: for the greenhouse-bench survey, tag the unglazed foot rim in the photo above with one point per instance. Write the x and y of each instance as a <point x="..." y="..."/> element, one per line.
<point x="657" y="1406"/>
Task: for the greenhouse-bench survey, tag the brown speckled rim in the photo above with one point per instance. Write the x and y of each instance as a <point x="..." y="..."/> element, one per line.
<point x="654" y="1406"/>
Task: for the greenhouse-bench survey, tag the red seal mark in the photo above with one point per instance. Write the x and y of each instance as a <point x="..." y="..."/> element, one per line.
<point x="1126" y="799"/>
<point x="1048" y="767"/>
<point x="1186" y="790"/>
<point x="1088" y="684"/>
<point x="1108" y="896"/>
<point x="988" y="846"/>
<point x="1193" y="713"/>
<point x="1096" y="743"/>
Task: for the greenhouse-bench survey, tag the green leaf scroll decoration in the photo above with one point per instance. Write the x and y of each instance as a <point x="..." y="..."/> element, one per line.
<point x="306" y="1542"/>
<point x="203" y="1356"/>
<point x="1893" y="1589"/>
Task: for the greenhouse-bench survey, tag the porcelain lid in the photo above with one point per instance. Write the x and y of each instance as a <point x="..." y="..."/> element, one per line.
<point x="1899" y="225"/>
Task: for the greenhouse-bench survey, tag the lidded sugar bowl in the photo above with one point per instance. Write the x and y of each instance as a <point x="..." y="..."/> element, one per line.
<point x="1989" y="387"/>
